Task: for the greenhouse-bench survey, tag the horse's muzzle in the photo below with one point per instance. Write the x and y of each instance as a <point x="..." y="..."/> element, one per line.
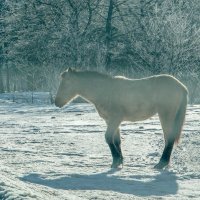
<point x="58" y="103"/>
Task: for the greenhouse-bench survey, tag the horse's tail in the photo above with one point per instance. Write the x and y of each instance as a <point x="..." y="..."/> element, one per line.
<point x="180" y="117"/>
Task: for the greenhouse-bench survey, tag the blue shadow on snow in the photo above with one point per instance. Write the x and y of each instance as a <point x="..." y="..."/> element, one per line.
<point x="161" y="184"/>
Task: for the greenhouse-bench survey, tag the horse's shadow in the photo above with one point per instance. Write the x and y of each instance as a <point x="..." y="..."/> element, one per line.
<point x="161" y="184"/>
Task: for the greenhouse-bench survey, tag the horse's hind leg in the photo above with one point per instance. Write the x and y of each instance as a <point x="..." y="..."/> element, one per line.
<point x="112" y="137"/>
<point x="167" y="122"/>
<point x="165" y="158"/>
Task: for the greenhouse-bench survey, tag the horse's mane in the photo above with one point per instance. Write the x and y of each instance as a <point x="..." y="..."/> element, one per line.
<point x="95" y="74"/>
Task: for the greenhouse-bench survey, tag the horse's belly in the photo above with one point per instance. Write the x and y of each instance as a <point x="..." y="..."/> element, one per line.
<point x="139" y="114"/>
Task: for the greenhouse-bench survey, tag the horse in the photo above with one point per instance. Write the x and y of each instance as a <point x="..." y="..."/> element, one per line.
<point x="119" y="99"/>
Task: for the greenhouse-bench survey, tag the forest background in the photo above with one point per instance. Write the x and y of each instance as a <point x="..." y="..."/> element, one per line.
<point x="135" y="38"/>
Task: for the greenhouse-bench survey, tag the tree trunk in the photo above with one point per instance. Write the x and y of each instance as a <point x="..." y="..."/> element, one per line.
<point x="1" y="45"/>
<point x="109" y="35"/>
<point x="7" y="78"/>
<point x="1" y="81"/>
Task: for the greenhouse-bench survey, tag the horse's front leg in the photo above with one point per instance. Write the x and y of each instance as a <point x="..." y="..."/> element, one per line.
<point x="113" y="139"/>
<point x="117" y="143"/>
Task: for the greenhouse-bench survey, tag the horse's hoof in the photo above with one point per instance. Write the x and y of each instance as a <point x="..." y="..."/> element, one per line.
<point x="161" y="165"/>
<point x="117" y="164"/>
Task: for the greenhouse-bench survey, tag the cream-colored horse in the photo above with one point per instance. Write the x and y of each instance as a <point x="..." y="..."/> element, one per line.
<point x="120" y="99"/>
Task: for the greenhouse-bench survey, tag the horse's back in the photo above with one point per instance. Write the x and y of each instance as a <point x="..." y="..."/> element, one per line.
<point x="134" y="98"/>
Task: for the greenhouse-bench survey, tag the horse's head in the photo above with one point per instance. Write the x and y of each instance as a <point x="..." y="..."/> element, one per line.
<point x="66" y="89"/>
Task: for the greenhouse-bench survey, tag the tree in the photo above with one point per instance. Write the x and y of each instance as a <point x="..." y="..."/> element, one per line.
<point x="134" y="38"/>
<point x="2" y="34"/>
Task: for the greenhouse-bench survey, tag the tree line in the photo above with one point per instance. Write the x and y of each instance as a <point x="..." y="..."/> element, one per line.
<point x="136" y="38"/>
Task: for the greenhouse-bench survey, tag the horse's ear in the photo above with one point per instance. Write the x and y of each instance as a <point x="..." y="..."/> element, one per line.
<point x="70" y="70"/>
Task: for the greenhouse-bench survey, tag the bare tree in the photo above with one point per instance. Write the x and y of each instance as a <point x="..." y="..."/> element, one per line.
<point x="134" y="38"/>
<point x="2" y="34"/>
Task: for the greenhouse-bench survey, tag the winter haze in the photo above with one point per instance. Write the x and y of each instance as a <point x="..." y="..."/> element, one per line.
<point x="52" y="153"/>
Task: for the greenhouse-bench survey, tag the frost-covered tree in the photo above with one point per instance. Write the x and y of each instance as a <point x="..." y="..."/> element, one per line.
<point x="134" y="38"/>
<point x="2" y="35"/>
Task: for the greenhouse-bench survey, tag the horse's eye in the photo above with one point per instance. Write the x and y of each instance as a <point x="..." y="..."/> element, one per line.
<point x="63" y="75"/>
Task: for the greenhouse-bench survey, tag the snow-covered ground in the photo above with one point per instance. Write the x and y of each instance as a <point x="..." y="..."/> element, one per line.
<point x="51" y="153"/>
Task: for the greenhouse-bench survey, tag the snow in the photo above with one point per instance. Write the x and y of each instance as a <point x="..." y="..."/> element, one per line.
<point x="51" y="153"/>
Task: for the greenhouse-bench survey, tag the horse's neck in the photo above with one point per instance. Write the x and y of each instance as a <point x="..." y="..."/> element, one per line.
<point x="90" y="89"/>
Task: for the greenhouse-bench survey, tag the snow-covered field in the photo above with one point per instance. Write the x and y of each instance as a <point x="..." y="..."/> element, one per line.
<point x="51" y="153"/>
